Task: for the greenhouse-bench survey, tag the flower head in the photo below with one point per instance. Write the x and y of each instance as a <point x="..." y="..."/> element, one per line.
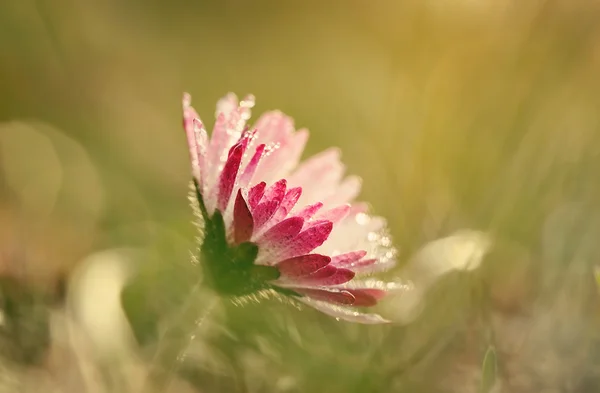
<point x="272" y="223"/>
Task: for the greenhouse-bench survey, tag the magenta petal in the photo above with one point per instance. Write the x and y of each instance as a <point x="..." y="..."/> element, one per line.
<point x="308" y="211"/>
<point x="303" y="265"/>
<point x="272" y="199"/>
<point x="324" y="272"/>
<point x="256" y="193"/>
<point x="243" y="224"/>
<point x="331" y="296"/>
<point x="263" y="212"/>
<point x="330" y="276"/>
<point x="282" y="232"/>
<point x="229" y="174"/>
<point x="307" y="240"/>
<point x="314" y="223"/>
<point x="287" y="204"/>
<point x="276" y="191"/>
<point x="347" y="259"/>
<point x="314" y="237"/>
<point x="291" y="197"/>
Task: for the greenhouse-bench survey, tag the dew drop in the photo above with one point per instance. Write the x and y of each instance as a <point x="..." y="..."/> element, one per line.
<point x="362" y="218"/>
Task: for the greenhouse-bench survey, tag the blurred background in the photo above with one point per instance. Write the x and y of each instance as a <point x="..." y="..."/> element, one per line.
<point x="457" y="114"/>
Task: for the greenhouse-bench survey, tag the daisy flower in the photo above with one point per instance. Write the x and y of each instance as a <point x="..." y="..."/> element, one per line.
<point x="273" y="223"/>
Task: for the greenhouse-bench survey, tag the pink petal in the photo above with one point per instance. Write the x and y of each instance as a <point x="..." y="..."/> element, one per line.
<point x="229" y="125"/>
<point x="319" y="176"/>
<point x="297" y="145"/>
<point x="366" y="297"/>
<point x="346" y="192"/>
<point x="201" y="144"/>
<point x="334" y="215"/>
<point x="282" y="232"/>
<point x="189" y="113"/>
<point x="243" y="224"/>
<point x="286" y="158"/>
<point x="376" y="293"/>
<point x="307" y="240"/>
<point x="347" y="259"/>
<point x="226" y="132"/>
<point x="196" y="136"/>
<point x="272" y="126"/>
<point x="228" y="176"/>
<point x="277" y="130"/>
<point x="303" y="265"/>
<point x="335" y="296"/>
<point x="372" y="265"/>
<point x="220" y="142"/>
<point x="247" y="137"/>
<point x="344" y="313"/>
<point x="227" y="104"/>
<point x="324" y="272"/>
<point x="329" y="276"/>
<point x="248" y="173"/>
<point x="235" y="113"/>
<point x="256" y="193"/>
<point x="357" y="208"/>
<point x="318" y="166"/>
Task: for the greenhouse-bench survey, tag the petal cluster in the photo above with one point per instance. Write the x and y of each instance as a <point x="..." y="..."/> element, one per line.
<point x="301" y="216"/>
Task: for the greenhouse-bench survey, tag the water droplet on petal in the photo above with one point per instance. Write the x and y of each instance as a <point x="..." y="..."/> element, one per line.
<point x="362" y="219"/>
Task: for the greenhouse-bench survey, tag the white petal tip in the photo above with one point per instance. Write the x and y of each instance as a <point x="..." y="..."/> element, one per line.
<point x="186" y="100"/>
